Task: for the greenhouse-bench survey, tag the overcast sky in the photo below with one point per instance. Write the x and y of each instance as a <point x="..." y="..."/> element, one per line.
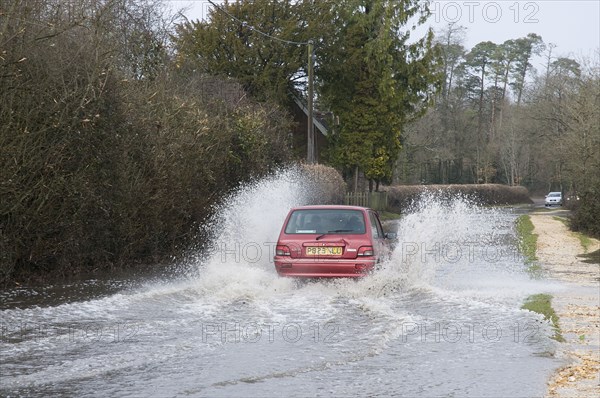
<point x="572" y="25"/>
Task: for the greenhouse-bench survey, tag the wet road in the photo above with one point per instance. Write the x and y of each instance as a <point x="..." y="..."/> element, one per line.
<point x="442" y="318"/>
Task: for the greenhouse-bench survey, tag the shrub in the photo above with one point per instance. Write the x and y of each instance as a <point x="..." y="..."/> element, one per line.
<point x="586" y="217"/>
<point x="101" y="166"/>
<point x="325" y="184"/>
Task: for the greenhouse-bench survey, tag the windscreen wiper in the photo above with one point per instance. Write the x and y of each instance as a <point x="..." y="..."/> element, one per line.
<point x="337" y="231"/>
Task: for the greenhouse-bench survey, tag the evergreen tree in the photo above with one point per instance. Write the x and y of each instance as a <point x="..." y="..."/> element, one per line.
<point x="374" y="80"/>
<point x="228" y="44"/>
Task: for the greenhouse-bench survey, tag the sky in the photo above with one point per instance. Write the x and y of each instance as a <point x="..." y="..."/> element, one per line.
<point x="572" y="25"/>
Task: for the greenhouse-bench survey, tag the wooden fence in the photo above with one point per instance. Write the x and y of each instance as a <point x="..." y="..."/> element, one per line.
<point x="374" y="200"/>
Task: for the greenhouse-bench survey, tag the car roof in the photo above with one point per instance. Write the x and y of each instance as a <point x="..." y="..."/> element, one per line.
<point x="552" y="193"/>
<point x="330" y="207"/>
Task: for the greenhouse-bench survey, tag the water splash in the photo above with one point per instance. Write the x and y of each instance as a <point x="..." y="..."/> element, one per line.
<point x="456" y="246"/>
<point x="448" y="244"/>
<point x="244" y="230"/>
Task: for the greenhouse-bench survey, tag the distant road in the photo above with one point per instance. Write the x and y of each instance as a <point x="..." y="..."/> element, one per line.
<point x="538" y="203"/>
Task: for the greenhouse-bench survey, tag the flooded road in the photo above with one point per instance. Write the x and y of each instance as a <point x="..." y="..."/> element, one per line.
<point x="441" y="318"/>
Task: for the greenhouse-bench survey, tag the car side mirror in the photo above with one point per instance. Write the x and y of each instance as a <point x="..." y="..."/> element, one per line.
<point x="391" y="236"/>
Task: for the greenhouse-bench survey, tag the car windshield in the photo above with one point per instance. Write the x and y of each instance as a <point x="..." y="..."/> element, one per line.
<point x="330" y="221"/>
<point x="554" y="194"/>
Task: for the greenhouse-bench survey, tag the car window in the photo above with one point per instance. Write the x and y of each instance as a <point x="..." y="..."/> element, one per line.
<point x="376" y="228"/>
<point x="336" y="221"/>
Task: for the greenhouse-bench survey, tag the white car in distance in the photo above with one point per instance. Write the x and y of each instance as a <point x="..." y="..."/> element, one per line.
<point x="553" y="199"/>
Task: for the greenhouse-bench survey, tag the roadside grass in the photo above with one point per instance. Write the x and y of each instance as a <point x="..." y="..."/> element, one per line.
<point x="542" y="304"/>
<point x="562" y="220"/>
<point x="528" y="243"/>
<point x="585" y="240"/>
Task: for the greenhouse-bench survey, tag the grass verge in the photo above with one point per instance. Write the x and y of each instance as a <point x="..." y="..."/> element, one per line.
<point x="585" y="240"/>
<point x="542" y="304"/>
<point x="527" y="242"/>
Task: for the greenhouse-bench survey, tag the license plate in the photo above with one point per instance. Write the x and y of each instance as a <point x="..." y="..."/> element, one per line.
<point x="324" y="251"/>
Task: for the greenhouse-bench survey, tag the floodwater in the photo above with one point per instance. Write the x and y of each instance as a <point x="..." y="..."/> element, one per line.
<point x="441" y="318"/>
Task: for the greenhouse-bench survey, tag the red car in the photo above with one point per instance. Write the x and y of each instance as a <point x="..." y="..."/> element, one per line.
<point x="330" y="241"/>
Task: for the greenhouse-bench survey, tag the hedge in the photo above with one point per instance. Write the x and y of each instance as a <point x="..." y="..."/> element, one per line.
<point x="400" y="197"/>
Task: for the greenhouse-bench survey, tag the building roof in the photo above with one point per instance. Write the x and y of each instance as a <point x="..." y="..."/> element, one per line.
<point x="319" y="124"/>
